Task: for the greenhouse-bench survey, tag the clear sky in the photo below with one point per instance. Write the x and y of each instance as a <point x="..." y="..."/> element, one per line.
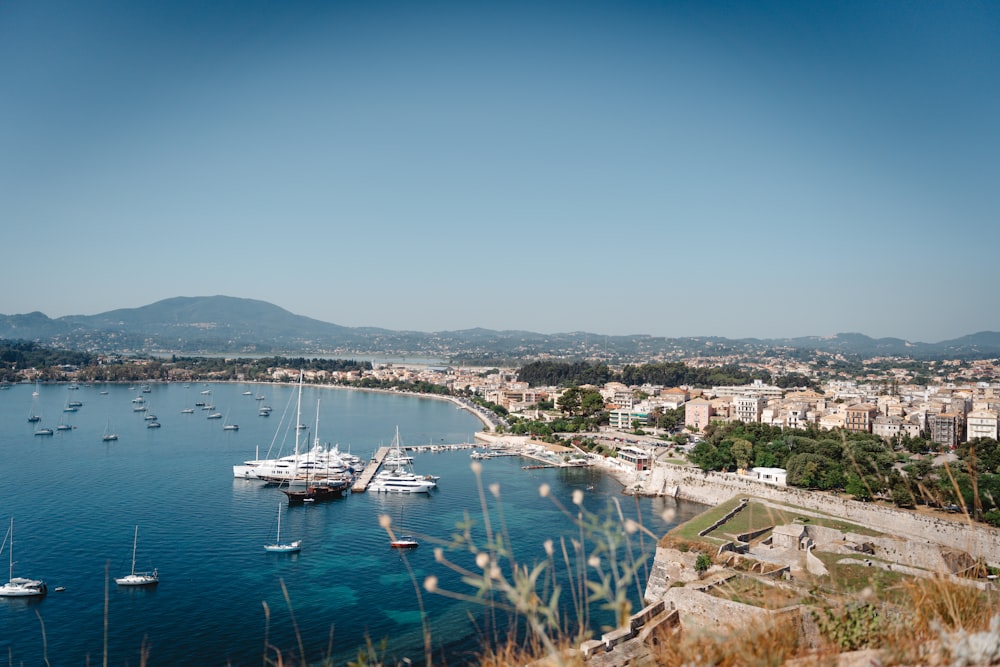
<point x="682" y="168"/>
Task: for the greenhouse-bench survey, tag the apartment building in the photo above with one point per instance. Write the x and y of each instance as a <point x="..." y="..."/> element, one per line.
<point x="748" y="408"/>
<point x="945" y="428"/>
<point x="698" y="413"/>
<point x="622" y="418"/>
<point x="981" y="424"/>
<point x="860" y="417"/>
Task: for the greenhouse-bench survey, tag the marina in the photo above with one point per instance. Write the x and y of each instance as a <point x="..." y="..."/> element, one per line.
<point x="198" y="520"/>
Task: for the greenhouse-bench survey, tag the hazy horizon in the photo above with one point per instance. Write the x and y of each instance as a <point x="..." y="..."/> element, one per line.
<point x="680" y="168"/>
<point x="575" y="331"/>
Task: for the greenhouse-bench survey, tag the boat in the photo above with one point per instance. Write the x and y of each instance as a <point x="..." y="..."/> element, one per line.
<point x="19" y="587"/>
<point x="138" y="578"/>
<point x="400" y="478"/>
<point x="318" y="490"/>
<point x="63" y="426"/>
<point x="404" y="542"/>
<point x="282" y="547"/>
<point x="226" y="426"/>
<point x="327" y="487"/>
<point x="214" y="415"/>
<point x="34" y="415"/>
<point x="44" y="431"/>
<point x="187" y="411"/>
<point x="152" y="424"/>
<point x="108" y="435"/>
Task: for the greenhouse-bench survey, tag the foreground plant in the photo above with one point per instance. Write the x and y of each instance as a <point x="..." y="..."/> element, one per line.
<point x="596" y="567"/>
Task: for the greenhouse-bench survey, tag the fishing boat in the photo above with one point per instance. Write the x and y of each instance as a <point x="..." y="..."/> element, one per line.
<point x="282" y="547"/>
<point x="138" y="578"/>
<point x="19" y="587"/>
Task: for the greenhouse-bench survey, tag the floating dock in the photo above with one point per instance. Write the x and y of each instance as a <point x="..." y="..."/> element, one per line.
<point x="365" y="478"/>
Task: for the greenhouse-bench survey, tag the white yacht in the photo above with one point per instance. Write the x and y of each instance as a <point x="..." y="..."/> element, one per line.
<point x="401" y="481"/>
<point x="398" y="475"/>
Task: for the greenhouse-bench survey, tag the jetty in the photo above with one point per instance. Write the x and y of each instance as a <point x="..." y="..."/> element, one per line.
<point x="365" y="478"/>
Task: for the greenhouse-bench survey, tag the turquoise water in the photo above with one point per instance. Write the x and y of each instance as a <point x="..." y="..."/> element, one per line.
<point x="76" y="500"/>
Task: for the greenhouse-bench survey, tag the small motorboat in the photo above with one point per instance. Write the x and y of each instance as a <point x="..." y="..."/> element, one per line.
<point x="404" y="542"/>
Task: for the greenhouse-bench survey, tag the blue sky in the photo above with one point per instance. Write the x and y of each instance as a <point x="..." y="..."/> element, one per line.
<point x="682" y="168"/>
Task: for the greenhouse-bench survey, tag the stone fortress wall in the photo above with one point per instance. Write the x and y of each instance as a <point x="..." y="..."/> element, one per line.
<point x="689" y="483"/>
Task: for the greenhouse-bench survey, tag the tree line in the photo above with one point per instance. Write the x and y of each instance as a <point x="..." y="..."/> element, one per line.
<point x="669" y="374"/>
<point x="862" y="465"/>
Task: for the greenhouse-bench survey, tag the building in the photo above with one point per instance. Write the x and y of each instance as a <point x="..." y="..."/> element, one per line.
<point x="981" y="424"/>
<point x="698" y="413"/>
<point x="635" y="458"/>
<point x="769" y="475"/>
<point x="757" y="388"/>
<point x="622" y="418"/>
<point x="748" y="408"/>
<point x="945" y="428"/>
<point x="860" y="417"/>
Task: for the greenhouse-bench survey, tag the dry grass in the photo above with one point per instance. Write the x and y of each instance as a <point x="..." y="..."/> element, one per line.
<point x="760" y="644"/>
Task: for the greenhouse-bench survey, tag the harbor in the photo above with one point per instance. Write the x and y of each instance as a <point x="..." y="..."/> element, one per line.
<point x="197" y="520"/>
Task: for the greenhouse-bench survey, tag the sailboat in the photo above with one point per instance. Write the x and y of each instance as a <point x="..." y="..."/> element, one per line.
<point x="108" y="435"/>
<point x="19" y="587"/>
<point x="34" y="415"/>
<point x="402" y="541"/>
<point x="138" y="578"/>
<point x="283" y="547"/>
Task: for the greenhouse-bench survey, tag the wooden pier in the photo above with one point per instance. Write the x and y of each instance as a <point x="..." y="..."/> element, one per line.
<point x="365" y="478"/>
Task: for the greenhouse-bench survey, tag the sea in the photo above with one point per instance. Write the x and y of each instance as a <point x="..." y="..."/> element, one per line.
<point x="76" y="501"/>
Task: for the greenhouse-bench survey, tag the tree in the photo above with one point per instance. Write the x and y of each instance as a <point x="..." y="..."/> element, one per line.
<point x="742" y="451"/>
<point x="569" y="402"/>
<point x="857" y="487"/>
<point x="702" y="563"/>
<point x="591" y="403"/>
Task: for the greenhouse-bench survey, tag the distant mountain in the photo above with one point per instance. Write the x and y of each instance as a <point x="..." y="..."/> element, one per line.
<point x="229" y="325"/>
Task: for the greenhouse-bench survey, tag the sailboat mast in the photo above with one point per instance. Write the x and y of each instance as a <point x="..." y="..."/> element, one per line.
<point x="135" y="541"/>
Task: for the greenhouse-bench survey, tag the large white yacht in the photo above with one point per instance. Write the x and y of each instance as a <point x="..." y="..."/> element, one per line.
<point x="398" y="476"/>
<point x="401" y="481"/>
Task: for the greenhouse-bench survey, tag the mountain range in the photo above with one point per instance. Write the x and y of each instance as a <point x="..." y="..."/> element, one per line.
<point x="230" y="325"/>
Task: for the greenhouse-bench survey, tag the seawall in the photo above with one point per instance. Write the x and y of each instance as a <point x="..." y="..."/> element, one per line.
<point x="712" y="488"/>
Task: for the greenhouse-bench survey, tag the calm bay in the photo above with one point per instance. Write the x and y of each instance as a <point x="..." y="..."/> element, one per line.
<point x="76" y="501"/>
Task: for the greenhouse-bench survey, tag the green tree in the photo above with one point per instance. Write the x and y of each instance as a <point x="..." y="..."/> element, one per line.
<point x="569" y="402"/>
<point x="742" y="451"/>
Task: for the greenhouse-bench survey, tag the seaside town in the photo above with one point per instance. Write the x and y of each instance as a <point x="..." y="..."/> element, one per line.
<point x="769" y="546"/>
